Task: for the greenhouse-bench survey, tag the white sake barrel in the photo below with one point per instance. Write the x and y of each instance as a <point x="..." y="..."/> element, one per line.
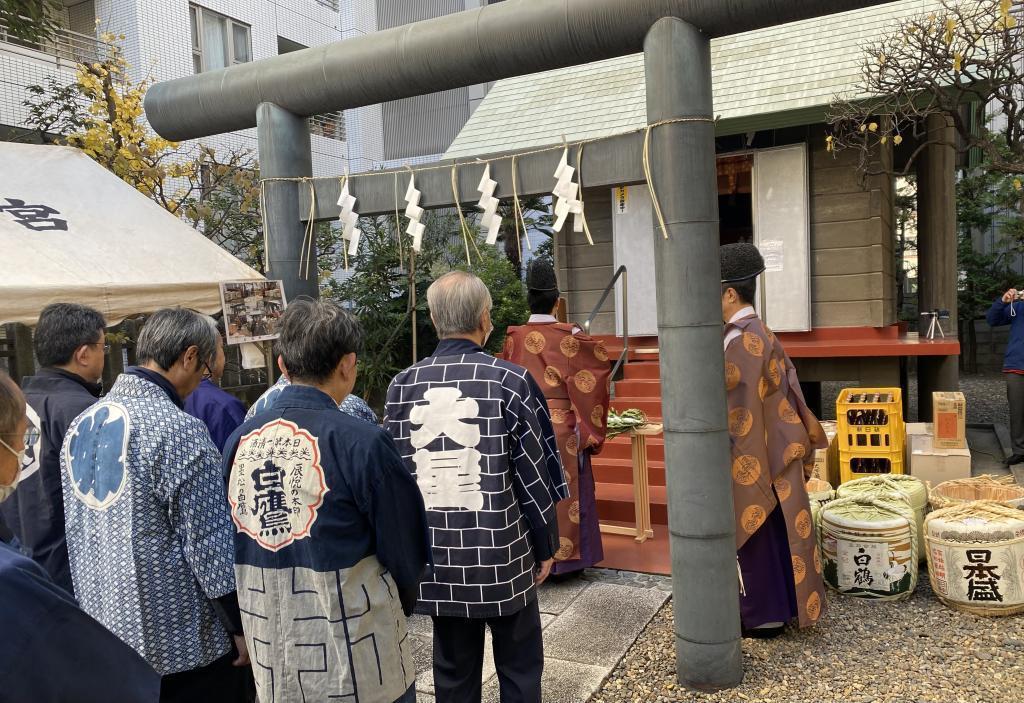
<point x="913" y="489"/>
<point x="976" y="557"/>
<point x="869" y="546"/>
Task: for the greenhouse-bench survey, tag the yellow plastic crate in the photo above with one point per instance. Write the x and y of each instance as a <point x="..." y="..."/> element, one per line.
<point x="853" y="465"/>
<point x="870" y="421"/>
<point x="870" y="432"/>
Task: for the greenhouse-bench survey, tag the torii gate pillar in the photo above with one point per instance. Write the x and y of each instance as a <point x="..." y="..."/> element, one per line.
<point x="285" y="152"/>
<point x="705" y="586"/>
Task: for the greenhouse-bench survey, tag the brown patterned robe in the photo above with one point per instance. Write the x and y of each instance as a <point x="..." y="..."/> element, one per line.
<point x="573" y="371"/>
<point x="774" y="435"/>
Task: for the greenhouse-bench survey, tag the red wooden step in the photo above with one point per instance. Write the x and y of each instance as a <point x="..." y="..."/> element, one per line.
<point x="648" y="370"/>
<point x="615" y="503"/>
<point x="638" y="388"/>
<point x="621" y="471"/>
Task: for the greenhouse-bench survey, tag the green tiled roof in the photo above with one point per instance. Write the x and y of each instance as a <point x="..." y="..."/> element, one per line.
<point x="771" y="78"/>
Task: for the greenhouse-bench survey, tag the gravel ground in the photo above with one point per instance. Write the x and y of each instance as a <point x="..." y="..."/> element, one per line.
<point x="985" y="395"/>
<point x="862" y="652"/>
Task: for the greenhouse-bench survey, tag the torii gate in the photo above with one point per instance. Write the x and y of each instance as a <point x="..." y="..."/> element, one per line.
<point x="517" y="37"/>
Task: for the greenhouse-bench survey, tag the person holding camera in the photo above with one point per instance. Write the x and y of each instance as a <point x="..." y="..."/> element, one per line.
<point x="1009" y="310"/>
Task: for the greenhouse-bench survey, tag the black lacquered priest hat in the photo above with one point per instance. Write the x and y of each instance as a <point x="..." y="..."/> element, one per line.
<point x="540" y="276"/>
<point x="740" y="262"/>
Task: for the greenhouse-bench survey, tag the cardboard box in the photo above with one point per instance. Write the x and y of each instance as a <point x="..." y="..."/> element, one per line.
<point x="913" y="430"/>
<point x="826" y="461"/>
<point x="932" y="464"/>
<point x="949" y="416"/>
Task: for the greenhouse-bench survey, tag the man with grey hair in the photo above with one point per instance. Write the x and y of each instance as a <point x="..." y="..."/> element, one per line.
<point x="476" y="433"/>
<point x="148" y="526"/>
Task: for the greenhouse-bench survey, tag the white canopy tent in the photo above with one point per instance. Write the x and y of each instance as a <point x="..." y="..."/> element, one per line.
<point x="72" y="231"/>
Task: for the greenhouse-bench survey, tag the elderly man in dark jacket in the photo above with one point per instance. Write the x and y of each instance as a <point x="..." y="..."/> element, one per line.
<point x="476" y="433"/>
<point x="70" y="348"/>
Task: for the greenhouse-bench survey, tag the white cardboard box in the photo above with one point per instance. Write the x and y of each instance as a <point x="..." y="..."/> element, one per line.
<point x="934" y="465"/>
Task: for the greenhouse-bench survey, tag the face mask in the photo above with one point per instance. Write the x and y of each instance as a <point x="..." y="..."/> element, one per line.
<point x="6" y="491"/>
<point x="487" y="336"/>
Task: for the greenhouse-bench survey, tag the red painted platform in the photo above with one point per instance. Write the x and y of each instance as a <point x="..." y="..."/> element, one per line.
<point x="640" y="388"/>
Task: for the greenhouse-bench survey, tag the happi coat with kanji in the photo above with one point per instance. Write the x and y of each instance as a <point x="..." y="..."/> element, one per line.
<point x="330" y="544"/>
<point x="774" y="436"/>
<point x="475" y="432"/>
<point x="148" y="529"/>
<point x="572" y="370"/>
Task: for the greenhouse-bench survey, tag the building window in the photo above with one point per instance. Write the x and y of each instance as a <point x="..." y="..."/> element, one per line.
<point x="217" y="41"/>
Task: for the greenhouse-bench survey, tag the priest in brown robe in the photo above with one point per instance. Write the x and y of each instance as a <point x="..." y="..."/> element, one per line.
<point x="773" y="436"/>
<point x="573" y="371"/>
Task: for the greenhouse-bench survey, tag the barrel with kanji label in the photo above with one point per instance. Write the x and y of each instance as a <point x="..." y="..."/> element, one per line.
<point x="976" y="557"/>
<point x="869" y="546"/>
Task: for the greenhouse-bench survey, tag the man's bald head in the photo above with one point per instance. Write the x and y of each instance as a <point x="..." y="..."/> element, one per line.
<point x="458" y="302"/>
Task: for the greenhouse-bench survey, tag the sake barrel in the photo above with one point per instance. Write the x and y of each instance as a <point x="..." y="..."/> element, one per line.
<point x="819" y="491"/>
<point x="869" y="546"/>
<point x="912" y="488"/>
<point x="976" y="557"/>
<point x="1001" y="489"/>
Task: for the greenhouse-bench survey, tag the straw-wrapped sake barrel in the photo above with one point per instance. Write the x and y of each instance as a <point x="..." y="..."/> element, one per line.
<point x="976" y="557"/>
<point x="819" y="492"/>
<point x="912" y="488"/>
<point x="1001" y="489"/>
<point x="869" y="546"/>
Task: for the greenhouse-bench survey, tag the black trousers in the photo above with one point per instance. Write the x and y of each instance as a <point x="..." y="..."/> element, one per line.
<point x="518" y="657"/>
<point x="218" y="681"/>
<point x="1015" y="398"/>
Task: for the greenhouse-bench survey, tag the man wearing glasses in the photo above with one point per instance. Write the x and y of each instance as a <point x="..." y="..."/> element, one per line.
<point x="148" y="525"/>
<point x="70" y="347"/>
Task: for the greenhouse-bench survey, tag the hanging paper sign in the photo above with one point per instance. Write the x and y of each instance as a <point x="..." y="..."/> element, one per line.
<point x="774" y="255"/>
<point x="414" y="212"/>
<point x="490" y="220"/>
<point x="252" y="310"/>
<point x="566" y="195"/>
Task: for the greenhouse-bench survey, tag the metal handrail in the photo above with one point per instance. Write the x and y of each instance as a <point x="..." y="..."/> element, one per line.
<point x="624" y="356"/>
<point x="62" y="44"/>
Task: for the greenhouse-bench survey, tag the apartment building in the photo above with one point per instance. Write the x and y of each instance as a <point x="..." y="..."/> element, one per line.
<point x="167" y="39"/>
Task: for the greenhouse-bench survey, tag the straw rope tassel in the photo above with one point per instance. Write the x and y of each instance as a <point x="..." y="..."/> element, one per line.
<point x="263" y="219"/>
<point x="650" y="182"/>
<point x="517" y="211"/>
<point x="398" y="227"/>
<point x="462" y="218"/>
<point x="579" y="178"/>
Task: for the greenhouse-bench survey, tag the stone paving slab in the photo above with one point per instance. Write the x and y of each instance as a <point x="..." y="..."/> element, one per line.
<point x="563" y="682"/>
<point x="588" y="626"/>
<point x="602" y="623"/>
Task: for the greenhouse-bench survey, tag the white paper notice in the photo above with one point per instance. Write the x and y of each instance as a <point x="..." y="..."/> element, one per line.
<point x="774" y="258"/>
<point x="252" y="356"/>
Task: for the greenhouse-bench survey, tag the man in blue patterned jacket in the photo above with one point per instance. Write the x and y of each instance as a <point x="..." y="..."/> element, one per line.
<point x="476" y="433"/>
<point x="148" y="527"/>
<point x="351" y="405"/>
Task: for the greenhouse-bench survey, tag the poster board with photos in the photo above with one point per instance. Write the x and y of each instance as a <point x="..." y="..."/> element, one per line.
<point x="252" y="310"/>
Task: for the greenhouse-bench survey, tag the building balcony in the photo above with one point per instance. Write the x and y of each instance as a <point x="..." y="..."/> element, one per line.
<point x="329" y="126"/>
<point x="64" y="47"/>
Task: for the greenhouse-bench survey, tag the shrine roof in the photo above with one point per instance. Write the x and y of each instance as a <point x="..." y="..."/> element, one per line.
<point x="778" y="77"/>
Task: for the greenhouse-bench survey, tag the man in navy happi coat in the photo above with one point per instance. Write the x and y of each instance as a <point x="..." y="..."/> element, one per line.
<point x="52" y="652"/>
<point x="476" y="433"/>
<point x="70" y="346"/>
<point x="330" y="533"/>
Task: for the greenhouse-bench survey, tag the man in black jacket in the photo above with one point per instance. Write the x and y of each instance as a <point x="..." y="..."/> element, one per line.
<point x="70" y="347"/>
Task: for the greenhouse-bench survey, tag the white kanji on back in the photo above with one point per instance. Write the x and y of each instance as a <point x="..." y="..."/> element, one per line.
<point x="447" y="479"/>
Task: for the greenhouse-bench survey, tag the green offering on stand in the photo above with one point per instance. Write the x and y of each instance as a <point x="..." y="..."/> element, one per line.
<point x="620" y="423"/>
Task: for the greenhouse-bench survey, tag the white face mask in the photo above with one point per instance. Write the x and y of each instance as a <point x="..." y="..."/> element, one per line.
<point x="6" y="491"/>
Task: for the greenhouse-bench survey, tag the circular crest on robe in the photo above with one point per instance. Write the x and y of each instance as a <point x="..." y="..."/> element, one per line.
<point x="96" y="454"/>
<point x="277" y="484"/>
